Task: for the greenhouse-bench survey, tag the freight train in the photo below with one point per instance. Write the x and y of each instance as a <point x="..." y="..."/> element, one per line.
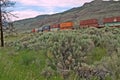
<point x="107" y="22"/>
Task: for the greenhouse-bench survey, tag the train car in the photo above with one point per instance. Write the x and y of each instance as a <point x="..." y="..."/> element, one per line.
<point x="55" y="27"/>
<point x="112" y="22"/>
<point x="66" y="25"/>
<point x="40" y="29"/>
<point x="46" y="28"/>
<point x="89" y="23"/>
<point x="34" y="30"/>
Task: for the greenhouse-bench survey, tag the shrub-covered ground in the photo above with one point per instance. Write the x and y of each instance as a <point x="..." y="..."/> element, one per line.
<point x="85" y="54"/>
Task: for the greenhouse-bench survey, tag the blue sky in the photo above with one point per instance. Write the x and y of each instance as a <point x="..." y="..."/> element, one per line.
<point x="31" y="8"/>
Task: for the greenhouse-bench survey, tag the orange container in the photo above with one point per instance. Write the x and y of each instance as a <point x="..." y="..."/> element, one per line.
<point x="66" y="25"/>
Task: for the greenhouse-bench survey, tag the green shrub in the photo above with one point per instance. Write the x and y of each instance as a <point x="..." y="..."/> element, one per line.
<point x="27" y="57"/>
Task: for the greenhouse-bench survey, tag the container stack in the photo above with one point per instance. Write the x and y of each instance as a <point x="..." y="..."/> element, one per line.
<point x="46" y="28"/>
<point x="55" y="27"/>
<point x="89" y="23"/>
<point x="112" y="22"/>
<point x="66" y="25"/>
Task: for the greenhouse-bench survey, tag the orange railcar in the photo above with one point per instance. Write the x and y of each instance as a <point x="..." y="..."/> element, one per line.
<point x="66" y="25"/>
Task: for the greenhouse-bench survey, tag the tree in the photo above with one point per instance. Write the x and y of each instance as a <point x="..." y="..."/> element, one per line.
<point x="4" y="15"/>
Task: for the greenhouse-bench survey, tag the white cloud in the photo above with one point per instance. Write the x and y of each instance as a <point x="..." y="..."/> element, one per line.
<point x="53" y="3"/>
<point x="48" y="5"/>
<point x="25" y="14"/>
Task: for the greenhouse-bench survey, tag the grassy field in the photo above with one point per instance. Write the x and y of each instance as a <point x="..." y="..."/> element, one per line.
<point x="22" y="65"/>
<point x="86" y="54"/>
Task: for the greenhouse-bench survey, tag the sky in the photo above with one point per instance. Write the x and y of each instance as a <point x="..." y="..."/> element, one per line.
<point x="31" y="8"/>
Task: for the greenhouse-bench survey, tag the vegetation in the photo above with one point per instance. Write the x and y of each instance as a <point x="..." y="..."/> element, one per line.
<point x="85" y="54"/>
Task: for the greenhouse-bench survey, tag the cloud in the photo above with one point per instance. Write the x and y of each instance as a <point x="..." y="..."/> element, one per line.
<point x="25" y="14"/>
<point x="53" y="3"/>
<point x="49" y="7"/>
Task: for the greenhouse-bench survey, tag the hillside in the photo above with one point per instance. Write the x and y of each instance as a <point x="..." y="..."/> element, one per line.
<point x="96" y="9"/>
